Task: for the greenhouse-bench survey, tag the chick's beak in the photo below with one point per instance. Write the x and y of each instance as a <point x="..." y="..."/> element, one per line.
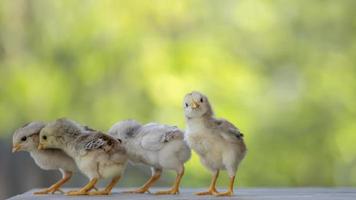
<point x="40" y="147"/>
<point x="194" y="104"/>
<point x="16" y="148"/>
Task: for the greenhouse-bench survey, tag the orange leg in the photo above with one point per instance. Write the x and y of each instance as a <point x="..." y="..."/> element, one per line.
<point x="84" y="190"/>
<point x="55" y="187"/>
<point x="108" y="188"/>
<point x="212" y="188"/>
<point x="149" y="183"/>
<point x="175" y="187"/>
<point x="230" y="191"/>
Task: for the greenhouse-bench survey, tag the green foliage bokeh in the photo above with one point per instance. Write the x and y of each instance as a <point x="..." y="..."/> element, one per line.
<point x="282" y="71"/>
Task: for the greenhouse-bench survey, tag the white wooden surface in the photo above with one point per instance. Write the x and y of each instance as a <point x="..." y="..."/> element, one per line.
<point x="240" y="194"/>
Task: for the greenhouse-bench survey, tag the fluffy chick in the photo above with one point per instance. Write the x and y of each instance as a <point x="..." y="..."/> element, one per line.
<point x="156" y="145"/>
<point x="97" y="155"/>
<point x="26" y="138"/>
<point x="219" y="143"/>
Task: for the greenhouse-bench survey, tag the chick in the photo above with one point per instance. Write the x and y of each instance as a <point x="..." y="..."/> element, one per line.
<point x="156" y="145"/>
<point x="219" y="143"/>
<point x="97" y="155"/>
<point x="26" y="138"/>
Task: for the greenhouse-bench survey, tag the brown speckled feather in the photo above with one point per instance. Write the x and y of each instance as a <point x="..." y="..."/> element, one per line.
<point x="97" y="140"/>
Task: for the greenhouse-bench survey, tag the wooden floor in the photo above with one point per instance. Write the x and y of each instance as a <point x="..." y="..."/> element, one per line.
<point x="240" y="194"/>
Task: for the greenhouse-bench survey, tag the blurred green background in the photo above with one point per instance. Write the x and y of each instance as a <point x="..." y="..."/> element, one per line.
<point x="283" y="71"/>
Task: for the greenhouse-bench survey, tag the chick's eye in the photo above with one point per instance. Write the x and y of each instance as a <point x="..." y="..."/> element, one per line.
<point x="201" y="100"/>
<point x="44" y="137"/>
<point x="23" y="138"/>
<point x="186" y="104"/>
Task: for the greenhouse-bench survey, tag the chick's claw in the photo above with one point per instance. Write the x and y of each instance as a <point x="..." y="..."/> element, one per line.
<point x="103" y="192"/>
<point x="49" y="191"/>
<point x="174" y="191"/>
<point x="77" y="193"/>
<point x="228" y="193"/>
<point x="43" y="192"/>
<point x="138" y="191"/>
<point x="209" y="192"/>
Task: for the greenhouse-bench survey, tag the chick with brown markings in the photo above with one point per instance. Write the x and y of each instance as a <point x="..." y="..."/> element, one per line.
<point x="97" y="155"/>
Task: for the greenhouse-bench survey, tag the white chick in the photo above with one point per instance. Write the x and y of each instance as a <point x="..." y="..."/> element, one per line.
<point x="156" y="145"/>
<point x="97" y="155"/>
<point x="26" y="138"/>
<point x="218" y="143"/>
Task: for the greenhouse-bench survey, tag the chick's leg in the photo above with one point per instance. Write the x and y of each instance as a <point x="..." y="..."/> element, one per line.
<point x="212" y="188"/>
<point x="84" y="190"/>
<point x="108" y="188"/>
<point x="155" y="176"/>
<point x="175" y="187"/>
<point x="230" y="191"/>
<point x="55" y="187"/>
